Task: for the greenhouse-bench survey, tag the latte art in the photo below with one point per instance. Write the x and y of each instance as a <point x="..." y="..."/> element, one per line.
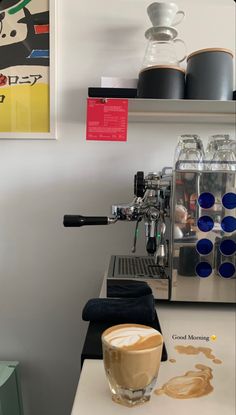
<point x="132" y="337"/>
<point x="129" y="336"/>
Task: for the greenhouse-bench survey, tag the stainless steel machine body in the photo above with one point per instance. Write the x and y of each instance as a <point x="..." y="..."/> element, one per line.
<point x="203" y="236"/>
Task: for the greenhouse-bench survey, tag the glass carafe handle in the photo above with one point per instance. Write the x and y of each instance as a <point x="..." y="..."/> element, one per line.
<point x="185" y="49"/>
<point x="178" y="20"/>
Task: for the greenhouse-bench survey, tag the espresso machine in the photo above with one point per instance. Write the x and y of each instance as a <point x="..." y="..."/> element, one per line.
<point x="189" y="218"/>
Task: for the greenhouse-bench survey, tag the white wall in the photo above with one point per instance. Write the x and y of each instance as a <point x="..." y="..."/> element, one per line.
<point x="47" y="272"/>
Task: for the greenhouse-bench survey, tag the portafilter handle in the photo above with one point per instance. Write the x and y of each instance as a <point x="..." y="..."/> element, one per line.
<point x="77" y="221"/>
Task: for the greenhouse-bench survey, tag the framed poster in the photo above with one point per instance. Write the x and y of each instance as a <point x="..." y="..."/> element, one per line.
<point x="27" y="69"/>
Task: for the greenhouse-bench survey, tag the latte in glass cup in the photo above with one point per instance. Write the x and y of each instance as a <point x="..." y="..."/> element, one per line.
<point x="131" y="356"/>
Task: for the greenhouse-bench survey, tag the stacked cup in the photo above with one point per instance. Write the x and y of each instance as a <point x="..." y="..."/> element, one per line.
<point x="220" y="153"/>
<point x="189" y="153"/>
<point x="161" y="75"/>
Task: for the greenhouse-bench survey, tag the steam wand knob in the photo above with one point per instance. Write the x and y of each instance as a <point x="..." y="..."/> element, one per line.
<point x="139" y="184"/>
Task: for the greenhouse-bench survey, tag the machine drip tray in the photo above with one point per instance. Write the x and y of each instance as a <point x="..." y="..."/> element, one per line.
<point x="142" y="268"/>
<point x="133" y="266"/>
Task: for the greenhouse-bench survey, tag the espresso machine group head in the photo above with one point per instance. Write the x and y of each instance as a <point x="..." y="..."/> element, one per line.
<point x="151" y="205"/>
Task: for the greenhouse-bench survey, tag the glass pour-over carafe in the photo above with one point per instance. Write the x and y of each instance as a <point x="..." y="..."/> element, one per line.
<point x="161" y="48"/>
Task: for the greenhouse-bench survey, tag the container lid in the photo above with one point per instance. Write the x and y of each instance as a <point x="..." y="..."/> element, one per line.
<point x="197" y="52"/>
<point x="175" y="67"/>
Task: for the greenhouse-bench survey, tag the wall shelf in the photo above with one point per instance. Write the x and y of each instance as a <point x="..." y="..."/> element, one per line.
<point x="182" y="111"/>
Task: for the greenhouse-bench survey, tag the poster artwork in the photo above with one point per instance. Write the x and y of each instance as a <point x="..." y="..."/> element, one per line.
<point x="24" y="66"/>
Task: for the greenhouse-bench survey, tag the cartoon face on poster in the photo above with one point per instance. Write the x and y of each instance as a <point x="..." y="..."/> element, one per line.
<point x="24" y="66"/>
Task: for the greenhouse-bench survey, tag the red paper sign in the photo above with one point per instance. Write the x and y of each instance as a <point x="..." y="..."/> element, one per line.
<point x="107" y="119"/>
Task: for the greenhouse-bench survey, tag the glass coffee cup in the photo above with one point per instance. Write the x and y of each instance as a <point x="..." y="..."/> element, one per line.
<point x="221" y="153"/>
<point x="215" y="142"/>
<point x="131" y="356"/>
<point x="224" y="159"/>
<point x="189" y="152"/>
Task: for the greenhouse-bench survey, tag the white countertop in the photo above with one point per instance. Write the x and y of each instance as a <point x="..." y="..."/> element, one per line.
<point x="93" y="396"/>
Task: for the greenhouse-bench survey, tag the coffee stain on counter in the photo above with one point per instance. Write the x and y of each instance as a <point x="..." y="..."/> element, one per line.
<point x="193" y="384"/>
<point x="192" y="350"/>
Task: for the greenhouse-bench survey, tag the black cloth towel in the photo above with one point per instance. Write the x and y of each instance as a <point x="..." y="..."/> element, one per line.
<point x="127" y="289"/>
<point x="120" y="310"/>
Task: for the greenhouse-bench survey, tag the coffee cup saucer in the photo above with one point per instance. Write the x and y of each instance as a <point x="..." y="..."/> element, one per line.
<point x="161" y="32"/>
